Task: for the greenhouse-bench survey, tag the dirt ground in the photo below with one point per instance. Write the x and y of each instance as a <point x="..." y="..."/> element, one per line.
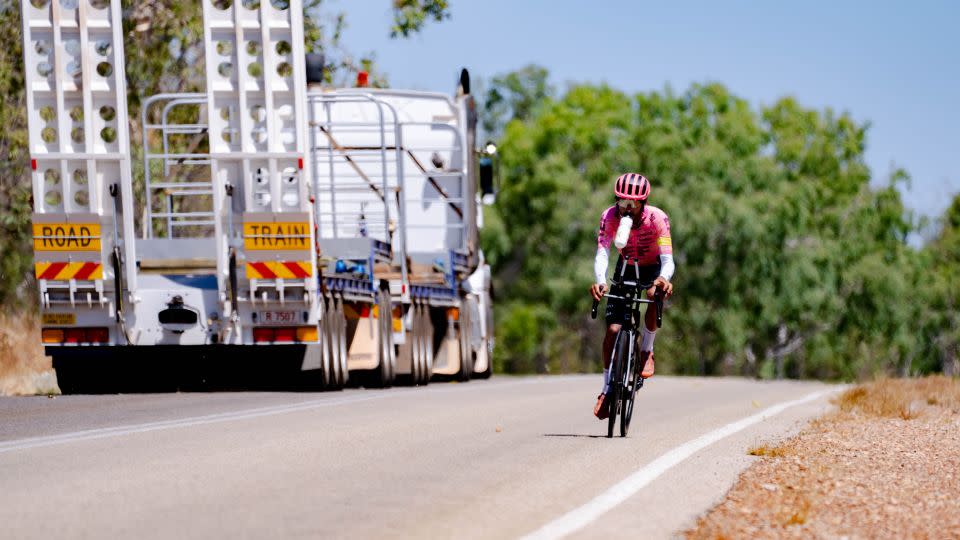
<point x="24" y="370"/>
<point x="885" y="465"/>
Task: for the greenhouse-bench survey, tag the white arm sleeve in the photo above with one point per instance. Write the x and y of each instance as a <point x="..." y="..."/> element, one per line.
<point x="600" y="264"/>
<point x="667" y="266"/>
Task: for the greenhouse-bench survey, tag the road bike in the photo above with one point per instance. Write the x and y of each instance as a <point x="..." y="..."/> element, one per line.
<point x="625" y="377"/>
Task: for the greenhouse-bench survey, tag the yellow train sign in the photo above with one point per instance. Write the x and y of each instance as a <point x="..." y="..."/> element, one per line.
<point x="66" y="237"/>
<point x="276" y="236"/>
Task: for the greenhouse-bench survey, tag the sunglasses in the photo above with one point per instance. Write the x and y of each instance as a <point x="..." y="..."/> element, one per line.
<point x="629" y="204"/>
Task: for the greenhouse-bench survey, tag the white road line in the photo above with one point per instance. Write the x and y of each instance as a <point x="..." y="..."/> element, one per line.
<point x="102" y="433"/>
<point x="578" y="518"/>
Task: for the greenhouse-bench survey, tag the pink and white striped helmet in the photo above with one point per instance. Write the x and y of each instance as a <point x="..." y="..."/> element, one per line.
<point x="632" y="186"/>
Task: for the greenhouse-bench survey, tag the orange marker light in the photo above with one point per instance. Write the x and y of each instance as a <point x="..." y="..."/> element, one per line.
<point x="307" y="333"/>
<point x="52" y="335"/>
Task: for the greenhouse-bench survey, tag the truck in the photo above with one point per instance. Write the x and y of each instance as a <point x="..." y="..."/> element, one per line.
<point x="284" y="226"/>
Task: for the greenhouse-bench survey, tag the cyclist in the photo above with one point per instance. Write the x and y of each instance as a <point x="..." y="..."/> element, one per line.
<point x="649" y="247"/>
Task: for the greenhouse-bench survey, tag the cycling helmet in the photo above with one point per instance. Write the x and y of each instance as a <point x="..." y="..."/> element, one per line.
<point x="632" y="186"/>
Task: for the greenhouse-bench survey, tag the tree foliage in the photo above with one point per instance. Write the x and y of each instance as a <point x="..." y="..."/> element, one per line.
<point x="16" y="258"/>
<point x="514" y="96"/>
<point x="409" y="16"/>
<point x="789" y="261"/>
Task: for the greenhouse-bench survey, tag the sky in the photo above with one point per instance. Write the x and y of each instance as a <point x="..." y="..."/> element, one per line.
<point x="895" y="65"/>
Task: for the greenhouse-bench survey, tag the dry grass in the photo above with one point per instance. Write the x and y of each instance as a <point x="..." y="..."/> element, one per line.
<point x="24" y="370"/>
<point x="766" y="450"/>
<point x="901" y="398"/>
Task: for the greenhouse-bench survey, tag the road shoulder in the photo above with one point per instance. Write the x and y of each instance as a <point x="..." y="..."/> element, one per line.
<point x="674" y="500"/>
<point x="885" y="465"/>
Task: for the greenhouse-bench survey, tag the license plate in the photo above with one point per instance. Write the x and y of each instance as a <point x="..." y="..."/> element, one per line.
<point x="58" y="319"/>
<point x="277" y="317"/>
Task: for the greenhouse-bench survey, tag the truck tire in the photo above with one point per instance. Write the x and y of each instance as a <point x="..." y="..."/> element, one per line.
<point x="420" y="335"/>
<point x="329" y="378"/>
<point x="341" y="322"/>
<point x="421" y="343"/>
<point x="466" y="352"/>
<point x="383" y="375"/>
<point x="334" y="326"/>
<point x="416" y="355"/>
<point x="389" y="349"/>
<point x="428" y="344"/>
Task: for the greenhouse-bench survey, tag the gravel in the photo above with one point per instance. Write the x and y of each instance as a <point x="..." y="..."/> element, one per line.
<point x="852" y="475"/>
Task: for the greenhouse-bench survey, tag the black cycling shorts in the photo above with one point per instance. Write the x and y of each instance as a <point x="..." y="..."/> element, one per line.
<point x="617" y="310"/>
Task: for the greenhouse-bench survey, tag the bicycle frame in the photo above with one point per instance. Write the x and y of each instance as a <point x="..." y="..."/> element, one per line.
<point x="621" y="374"/>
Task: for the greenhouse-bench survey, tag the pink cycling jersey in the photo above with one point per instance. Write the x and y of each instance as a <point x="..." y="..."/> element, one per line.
<point x="647" y="241"/>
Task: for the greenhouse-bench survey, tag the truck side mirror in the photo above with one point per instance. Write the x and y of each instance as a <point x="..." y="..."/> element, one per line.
<point x="489" y="180"/>
<point x="314" y="64"/>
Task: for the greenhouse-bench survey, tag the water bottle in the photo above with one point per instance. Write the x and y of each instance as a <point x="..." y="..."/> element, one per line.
<point x="623" y="232"/>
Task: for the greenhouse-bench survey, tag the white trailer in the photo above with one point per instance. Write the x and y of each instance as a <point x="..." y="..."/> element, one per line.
<point x="275" y="230"/>
<point x="401" y="166"/>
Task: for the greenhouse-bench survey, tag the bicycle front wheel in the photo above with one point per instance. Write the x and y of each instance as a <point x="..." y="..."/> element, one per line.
<point x="632" y="381"/>
<point x="621" y="351"/>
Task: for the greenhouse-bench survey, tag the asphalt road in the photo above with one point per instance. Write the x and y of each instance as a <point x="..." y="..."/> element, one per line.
<point x="489" y="459"/>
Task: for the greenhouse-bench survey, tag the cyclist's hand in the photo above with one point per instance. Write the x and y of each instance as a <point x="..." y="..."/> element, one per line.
<point x="665" y="285"/>
<point x="597" y="290"/>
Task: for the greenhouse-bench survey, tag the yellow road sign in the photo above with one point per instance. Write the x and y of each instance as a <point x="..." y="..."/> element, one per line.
<point x="276" y="236"/>
<point x="66" y="237"/>
<point x="59" y="319"/>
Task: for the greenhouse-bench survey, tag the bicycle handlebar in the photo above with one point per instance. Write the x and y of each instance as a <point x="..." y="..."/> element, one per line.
<point x="657" y="301"/>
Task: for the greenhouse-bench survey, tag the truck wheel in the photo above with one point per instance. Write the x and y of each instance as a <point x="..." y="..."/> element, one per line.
<point x="414" y="337"/>
<point x="466" y="354"/>
<point x="333" y="326"/>
<point x="423" y="344"/>
<point x="340" y="320"/>
<point x="383" y="375"/>
<point x="428" y="336"/>
<point x="389" y="350"/>
<point x="420" y="335"/>
<point x="326" y="345"/>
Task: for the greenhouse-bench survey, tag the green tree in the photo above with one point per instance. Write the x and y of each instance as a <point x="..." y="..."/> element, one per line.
<point x="789" y="262"/>
<point x="15" y="192"/>
<point x="409" y="16"/>
<point x="514" y="96"/>
<point x="938" y="294"/>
